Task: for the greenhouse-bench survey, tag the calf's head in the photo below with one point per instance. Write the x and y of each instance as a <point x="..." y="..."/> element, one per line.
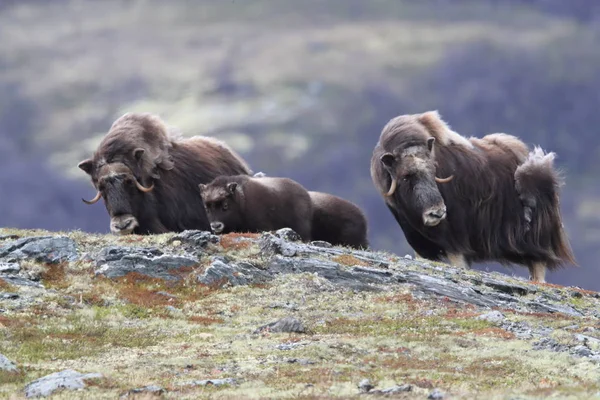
<point x="122" y="192"/>
<point x="221" y="200"/>
<point x="412" y="170"/>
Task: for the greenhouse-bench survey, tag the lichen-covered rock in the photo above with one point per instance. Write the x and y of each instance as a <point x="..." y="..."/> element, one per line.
<point x="47" y="249"/>
<point x="199" y="239"/>
<point x="67" y="379"/>
<point x="221" y="273"/>
<point x="6" y="364"/>
<point x="287" y="325"/>
<point x="118" y="261"/>
<point x="9" y="268"/>
<point x="213" y="382"/>
<point x="154" y="390"/>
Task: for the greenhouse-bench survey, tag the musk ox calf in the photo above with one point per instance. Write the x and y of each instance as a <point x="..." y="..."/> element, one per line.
<point x="471" y="200"/>
<point x="255" y="204"/>
<point x="148" y="177"/>
<point x="338" y="221"/>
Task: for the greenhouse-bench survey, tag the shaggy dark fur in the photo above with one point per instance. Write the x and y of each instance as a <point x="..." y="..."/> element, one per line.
<point x="256" y="204"/>
<point x="138" y="147"/>
<point x="338" y="221"/>
<point x="501" y="205"/>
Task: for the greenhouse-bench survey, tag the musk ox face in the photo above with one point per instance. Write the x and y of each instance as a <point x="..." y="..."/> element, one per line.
<point x="412" y="173"/>
<point x="121" y="191"/>
<point x="222" y="205"/>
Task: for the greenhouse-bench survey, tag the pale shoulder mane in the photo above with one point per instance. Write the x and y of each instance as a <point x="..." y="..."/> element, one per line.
<point x="441" y="131"/>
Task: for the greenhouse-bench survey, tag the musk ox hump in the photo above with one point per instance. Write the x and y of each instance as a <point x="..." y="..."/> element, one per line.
<point x="440" y="130"/>
<point x="146" y="136"/>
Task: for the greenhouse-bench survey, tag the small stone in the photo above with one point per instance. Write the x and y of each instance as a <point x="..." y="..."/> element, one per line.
<point x="195" y="238"/>
<point x="214" y="382"/>
<point x="494" y="317"/>
<point x="9" y="296"/>
<point x="67" y="379"/>
<point x="153" y="389"/>
<point x="365" y="386"/>
<point x="9" y="268"/>
<point x="582" y="351"/>
<point x="408" y="257"/>
<point x="6" y="364"/>
<point x="287" y="324"/>
<point x="436" y="394"/>
<point x="288" y="234"/>
<point x="396" y="389"/>
<point x="301" y="361"/>
<point x="321" y="243"/>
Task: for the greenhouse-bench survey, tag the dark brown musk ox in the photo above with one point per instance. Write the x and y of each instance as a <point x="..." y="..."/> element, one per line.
<point x="338" y="221"/>
<point x="148" y="176"/>
<point x="471" y="200"/>
<point x="246" y="204"/>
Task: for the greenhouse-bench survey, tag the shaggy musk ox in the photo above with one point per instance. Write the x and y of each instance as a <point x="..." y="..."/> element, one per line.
<point x="338" y="221"/>
<point x="148" y="177"/>
<point x="255" y="204"/>
<point x="471" y="200"/>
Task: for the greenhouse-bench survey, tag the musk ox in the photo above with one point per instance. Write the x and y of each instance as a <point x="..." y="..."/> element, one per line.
<point x="338" y="221"/>
<point x="470" y="200"/>
<point x="148" y="176"/>
<point x="255" y="204"/>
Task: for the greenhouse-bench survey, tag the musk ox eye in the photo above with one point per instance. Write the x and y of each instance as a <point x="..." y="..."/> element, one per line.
<point x="225" y="206"/>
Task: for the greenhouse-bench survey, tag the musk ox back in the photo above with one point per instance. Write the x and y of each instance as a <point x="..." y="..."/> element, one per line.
<point x="256" y="204"/>
<point x="148" y="177"/>
<point x="470" y="200"/>
<point x="338" y="221"/>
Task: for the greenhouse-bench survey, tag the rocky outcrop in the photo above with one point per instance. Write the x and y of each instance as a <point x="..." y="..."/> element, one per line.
<point x="64" y="380"/>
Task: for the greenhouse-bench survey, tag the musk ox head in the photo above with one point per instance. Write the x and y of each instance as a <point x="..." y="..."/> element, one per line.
<point x="408" y="158"/>
<point x="122" y="194"/>
<point x="222" y="200"/>
<point x="125" y="166"/>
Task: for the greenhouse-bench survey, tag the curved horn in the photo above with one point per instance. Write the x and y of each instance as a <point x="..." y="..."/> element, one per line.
<point x="444" y="180"/>
<point x="94" y="200"/>
<point x="392" y="187"/>
<point x="142" y="188"/>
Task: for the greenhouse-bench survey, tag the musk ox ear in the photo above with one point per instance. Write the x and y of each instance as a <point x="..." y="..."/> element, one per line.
<point x="430" y="142"/>
<point x="138" y="153"/>
<point x="231" y="187"/>
<point x="86" y="166"/>
<point x="387" y="159"/>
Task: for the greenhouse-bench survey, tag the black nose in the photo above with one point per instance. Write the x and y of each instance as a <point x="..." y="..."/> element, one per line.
<point x="217" y="227"/>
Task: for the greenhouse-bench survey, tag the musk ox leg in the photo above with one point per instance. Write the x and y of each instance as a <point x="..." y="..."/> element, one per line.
<point x="537" y="272"/>
<point x="458" y="260"/>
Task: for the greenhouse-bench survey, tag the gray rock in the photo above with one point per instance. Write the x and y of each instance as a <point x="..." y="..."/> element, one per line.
<point x="152" y="389"/>
<point x="19" y="281"/>
<point x="582" y="351"/>
<point x="289" y="346"/>
<point x="271" y="245"/>
<point x="392" y="390"/>
<point x="301" y="361"/>
<point x="588" y="340"/>
<point x="196" y="238"/>
<point x="365" y="386"/>
<point x="321" y="243"/>
<point x="220" y="273"/>
<point x="288" y="234"/>
<point x="9" y="296"/>
<point x="67" y="379"/>
<point x="495" y="317"/>
<point x="118" y="261"/>
<point x="7" y="365"/>
<point x="287" y="324"/>
<point x="47" y="249"/>
<point x="436" y="394"/>
<point x="9" y="268"/>
<point x="549" y="344"/>
<point x="214" y="382"/>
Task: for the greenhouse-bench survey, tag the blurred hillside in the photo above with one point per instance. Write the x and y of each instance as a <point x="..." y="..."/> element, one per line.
<point x="301" y="89"/>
